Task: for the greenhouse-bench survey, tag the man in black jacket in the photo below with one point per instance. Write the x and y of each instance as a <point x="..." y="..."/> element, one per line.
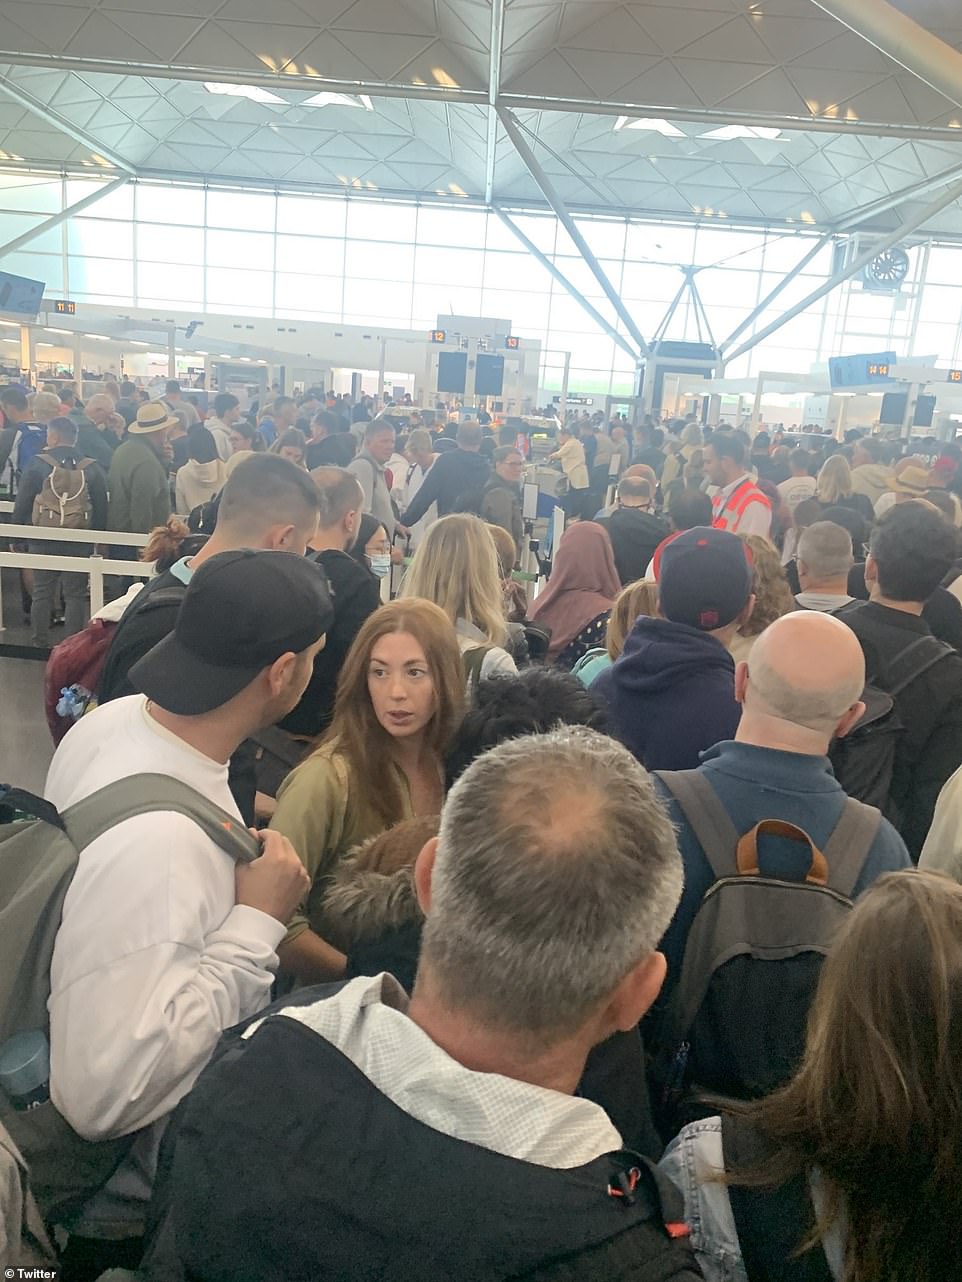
<point x="85" y="498"/>
<point x="268" y="504"/>
<point x="456" y="481"/>
<point x="443" y="1137"/>
<point x="633" y="528"/>
<point x="356" y="592"/>
<point x="14" y="412"/>
<point x="329" y="446"/>
<point x="911" y="550"/>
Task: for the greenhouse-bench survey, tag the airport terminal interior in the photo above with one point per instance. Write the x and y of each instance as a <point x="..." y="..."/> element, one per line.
<point x="489" y="472"/>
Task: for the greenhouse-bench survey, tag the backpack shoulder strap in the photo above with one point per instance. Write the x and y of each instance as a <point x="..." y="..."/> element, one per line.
<point x="847" y="848"/>
<point x="771" y="1223"/>
<point x="147" y="794"/>
<point x="923" y="653"/>
<point x="709" y="820"/>
<point x="472" y="662"/>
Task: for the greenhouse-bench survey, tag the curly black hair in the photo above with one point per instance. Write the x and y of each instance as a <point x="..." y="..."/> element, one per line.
<point x="507" y="707"/>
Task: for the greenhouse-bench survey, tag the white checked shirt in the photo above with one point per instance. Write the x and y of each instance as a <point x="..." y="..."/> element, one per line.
<point x="367" y="1022"/>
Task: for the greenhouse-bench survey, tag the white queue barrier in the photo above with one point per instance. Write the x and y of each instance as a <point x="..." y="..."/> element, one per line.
<point x="95" y="566"/>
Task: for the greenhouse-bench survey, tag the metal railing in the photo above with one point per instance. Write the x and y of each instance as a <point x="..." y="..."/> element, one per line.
<point x="94" y="565"/>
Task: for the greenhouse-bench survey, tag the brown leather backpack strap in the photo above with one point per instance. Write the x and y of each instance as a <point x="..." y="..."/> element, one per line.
<point x="746" y="856"/>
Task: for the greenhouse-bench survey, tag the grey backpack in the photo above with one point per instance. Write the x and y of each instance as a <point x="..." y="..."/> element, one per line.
<point x="735" y="1024"/>
<point x="38" y="859"/>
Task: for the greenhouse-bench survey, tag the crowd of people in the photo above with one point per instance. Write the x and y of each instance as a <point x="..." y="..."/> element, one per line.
<point x="608" y="931"/>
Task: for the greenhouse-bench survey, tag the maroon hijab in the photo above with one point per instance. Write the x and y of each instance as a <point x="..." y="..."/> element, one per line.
<point x="583" y="584"/>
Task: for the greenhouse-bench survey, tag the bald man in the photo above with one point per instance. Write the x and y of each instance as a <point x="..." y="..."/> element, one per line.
<point x="800" y="689"/>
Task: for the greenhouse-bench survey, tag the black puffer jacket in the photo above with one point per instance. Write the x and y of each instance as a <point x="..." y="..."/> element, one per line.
<point x="286" y="1162"/>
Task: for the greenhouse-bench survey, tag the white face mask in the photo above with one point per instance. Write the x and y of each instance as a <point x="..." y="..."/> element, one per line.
<point x="381" y="564"/>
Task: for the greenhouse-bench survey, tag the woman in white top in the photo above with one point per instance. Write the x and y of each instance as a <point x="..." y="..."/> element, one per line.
<point x="457" y="568"/>
<point x="204" y="473"/>
<point x="571" y="455"/>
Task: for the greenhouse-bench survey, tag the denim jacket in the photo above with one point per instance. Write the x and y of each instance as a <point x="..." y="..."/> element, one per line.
<point x="690" y="1161"/>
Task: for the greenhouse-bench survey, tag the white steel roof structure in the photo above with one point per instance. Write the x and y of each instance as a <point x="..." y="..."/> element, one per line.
<point x="765" y="111"/>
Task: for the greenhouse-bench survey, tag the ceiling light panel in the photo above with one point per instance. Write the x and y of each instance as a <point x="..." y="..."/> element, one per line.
<point x="253" y="92"/>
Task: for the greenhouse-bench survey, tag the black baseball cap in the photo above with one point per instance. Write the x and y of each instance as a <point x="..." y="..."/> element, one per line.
<point x="704" y="578"/>
<point x="241" y="612"/>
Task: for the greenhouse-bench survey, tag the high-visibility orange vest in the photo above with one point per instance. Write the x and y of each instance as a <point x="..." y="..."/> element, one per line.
<point x="727" y="513"/>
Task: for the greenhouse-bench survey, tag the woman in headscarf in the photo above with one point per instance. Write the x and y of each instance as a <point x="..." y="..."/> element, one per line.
<point x="577" y="601"/>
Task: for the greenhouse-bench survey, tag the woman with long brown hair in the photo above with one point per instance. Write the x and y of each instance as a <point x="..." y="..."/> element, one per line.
<point x="400" y="700"/>
<point x="865" y="1142"/>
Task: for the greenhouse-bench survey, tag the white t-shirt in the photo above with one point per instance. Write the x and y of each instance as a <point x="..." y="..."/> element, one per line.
<point x="153" y="959"/>
<point x="796" y="490"/>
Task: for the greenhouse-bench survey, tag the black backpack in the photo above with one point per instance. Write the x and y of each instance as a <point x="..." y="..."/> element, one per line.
<point x="864" y="761"/>
<point x="772" y="1223"/>
<point x="735" y="1025"/>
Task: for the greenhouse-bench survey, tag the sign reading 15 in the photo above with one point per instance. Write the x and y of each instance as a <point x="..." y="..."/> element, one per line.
<point x="955" y="375"/>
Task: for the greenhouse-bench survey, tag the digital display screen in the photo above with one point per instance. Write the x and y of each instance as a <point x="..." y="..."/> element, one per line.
<point x="489" y="376"/>
<point x="64" y="308"/>
<point x="955" y="375"/>
<point x="857" y="371"/>
<point x="438" y="336"/>
<point x="20" y="295"/>
<point x="452" y="372"/>
<point x="512" y="344"/>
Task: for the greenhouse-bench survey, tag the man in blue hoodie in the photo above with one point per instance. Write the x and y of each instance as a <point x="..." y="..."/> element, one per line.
<point x="671" y="695"/>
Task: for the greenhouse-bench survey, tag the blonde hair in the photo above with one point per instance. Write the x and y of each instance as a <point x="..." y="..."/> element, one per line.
<point x="101" y="401"/>
<point x="45" y="406"/>
<point x="456" y="567"/>
<point x="632" y="601"/>
<point x="834" y="480"/>
<point x="773" y="596"/>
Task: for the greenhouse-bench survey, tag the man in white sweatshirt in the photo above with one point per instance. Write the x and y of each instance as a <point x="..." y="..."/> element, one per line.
<point x="164" y="941"/>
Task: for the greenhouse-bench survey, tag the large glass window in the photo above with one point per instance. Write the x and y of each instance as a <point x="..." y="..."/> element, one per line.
<point x="371" y="260"/>
<point x="299" y="294"/>
<point x="14" y="224"/>
<point x="116" y="204"/>
<point x="251" y="250"/>
<point x="365" y="299"/>
<point x="451" y="227"/>
<point x="355" y="260"/>
<point x="372" y="220"/>
<point x="311" y="215"/>
<point x="438" y="266"/>
<point x="103" y="239"/>
<point x="518" y="272"/>
<point x="309" y="254"/>
<point x="166" y="244"/>
<point x="107" y="280"/>
<point x="428" y="302"/>
<point x="22" y="191"/>
<point x="241" y="209"/>
<point x="46" y="267"/>
<point x="171" y="284"/>
<point x="243" y="290"/>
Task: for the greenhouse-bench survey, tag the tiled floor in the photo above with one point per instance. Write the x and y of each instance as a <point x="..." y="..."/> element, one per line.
<point x="25" y="743"/>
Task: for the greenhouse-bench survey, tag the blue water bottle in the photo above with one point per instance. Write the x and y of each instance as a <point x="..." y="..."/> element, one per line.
<point x="25" y="1070"/>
